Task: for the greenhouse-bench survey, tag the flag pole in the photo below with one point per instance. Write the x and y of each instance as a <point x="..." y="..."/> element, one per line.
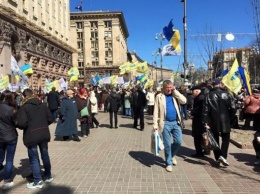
<point x="185" y="63"/>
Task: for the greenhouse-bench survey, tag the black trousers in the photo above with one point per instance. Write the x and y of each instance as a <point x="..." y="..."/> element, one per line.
<point x="150" y="109"/>
<point x="197" y="135"/>
<point x="94" y="120"/>
<point x="111" y="118"/>
<point x="224" y="145"/>
<point x="257" y="148"/>
<point x="139" y="113"/>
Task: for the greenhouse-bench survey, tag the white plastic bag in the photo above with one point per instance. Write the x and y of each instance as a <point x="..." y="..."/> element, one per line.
<point x="156" y="143"/>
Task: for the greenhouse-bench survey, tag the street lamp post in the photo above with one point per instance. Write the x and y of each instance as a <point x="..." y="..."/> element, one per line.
<point x="161" y="37"/>
<point x="155" y="54"/>
<point x="185" y="63"/>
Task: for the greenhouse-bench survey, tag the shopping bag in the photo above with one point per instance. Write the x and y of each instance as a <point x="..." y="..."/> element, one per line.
<point x="209" y="142"/>
<point x="156" y="143"/>
<point x="84" y="112"/>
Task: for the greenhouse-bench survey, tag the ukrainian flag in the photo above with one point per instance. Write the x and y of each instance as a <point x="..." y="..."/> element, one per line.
<point x="232" y="79"/>
<point x="246" y="79"/>
<point x="142" y="67"/>
<point x="26" y="69"/>
<point x="16" y="76"/>
<point x="73" y="73"/>
<point x="173" y="36"/>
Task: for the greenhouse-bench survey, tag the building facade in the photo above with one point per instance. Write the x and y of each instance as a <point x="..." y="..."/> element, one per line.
<point x="36" y="32"/>
<point x="224" y="59"/>
<point x="101" y="41"/>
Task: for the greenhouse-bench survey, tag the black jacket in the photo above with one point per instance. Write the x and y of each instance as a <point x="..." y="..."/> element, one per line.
<point x="114" y="101"/>
<point x="53" y="100"/>
<point x="34" y="118"/>
<point x="196" y="112"/>
<point x="7" y="123"/>
<point x="218" y="110"/>
<point x="141" y="99"/>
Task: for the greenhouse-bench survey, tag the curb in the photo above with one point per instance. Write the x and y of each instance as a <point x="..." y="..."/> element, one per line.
<point x="241" y="145"/>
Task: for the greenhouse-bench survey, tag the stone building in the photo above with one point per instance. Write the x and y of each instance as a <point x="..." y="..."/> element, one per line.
<point x="38" y="33"/>
<point x="101" y="41"/>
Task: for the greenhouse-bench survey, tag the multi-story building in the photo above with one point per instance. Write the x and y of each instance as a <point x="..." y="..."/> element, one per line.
<point x="101" y="41"/>
<point x="36" y="32"/>
<point x="224" y="59"/>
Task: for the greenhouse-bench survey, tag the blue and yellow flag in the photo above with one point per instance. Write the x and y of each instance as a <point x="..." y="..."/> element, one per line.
<point x="73" y="73"/>
<point x="26" y="69"/>
<point x="246" y="79"/>
<point x="232" y="79"/>
<point x="173" y="36"/>
<point x="142" y="67"/>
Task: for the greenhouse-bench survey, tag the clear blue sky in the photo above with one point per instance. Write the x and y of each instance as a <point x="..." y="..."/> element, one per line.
<point x="145" y="18"/>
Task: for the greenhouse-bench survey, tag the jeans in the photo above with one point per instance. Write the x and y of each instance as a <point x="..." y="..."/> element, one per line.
<point x="35" y="161"/>
<point x="111" y="118"/>
<point x="85" y="128"/>
<point x="171" y="129"/>
<point x="54" y="115"/>
<point x="184" y="112"/>
<point x="8" y="150"/>
<point x="128" y="111"/>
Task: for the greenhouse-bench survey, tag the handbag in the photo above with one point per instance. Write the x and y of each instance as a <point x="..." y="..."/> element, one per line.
<point x="84" y="112"/>
<point x="108" y="106"/>
<point x="156" y="143"/>
<point x="208" y="141"/>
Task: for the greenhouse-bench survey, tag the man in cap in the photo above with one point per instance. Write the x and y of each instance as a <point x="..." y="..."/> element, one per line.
<point x="197" y="124"/>
<point x="218" y="111"/>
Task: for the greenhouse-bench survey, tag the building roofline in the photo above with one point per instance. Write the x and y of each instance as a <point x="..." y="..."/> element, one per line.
<point x="102" y="13"/>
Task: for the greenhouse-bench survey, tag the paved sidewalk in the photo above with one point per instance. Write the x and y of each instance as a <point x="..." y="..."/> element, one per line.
<point x="118" y="161"/>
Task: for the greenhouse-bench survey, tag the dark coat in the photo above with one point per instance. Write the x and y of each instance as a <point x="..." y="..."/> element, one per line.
<point x="114" y="101"/>
<point x="34" y="118"/>
<point x="218" y="110"/>
<point x="67" y="124"/>
<point x="81" y="103"/>
<point x="141" y="100"/>
<point x="196" y="112"/>
<point x="53" y="100"/>
<point x="7" y="123"/>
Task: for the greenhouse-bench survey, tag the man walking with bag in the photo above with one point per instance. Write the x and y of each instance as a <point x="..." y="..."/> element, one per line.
<point x="34" y="119"/>
<point x="167" y="120"/>
<point x="218" y="110"/>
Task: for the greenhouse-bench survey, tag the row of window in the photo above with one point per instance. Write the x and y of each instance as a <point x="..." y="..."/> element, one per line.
<point x="94" y="63"/>
<point x="94" y="45"/>
<point x="95" y="54"/>
<point x="94" y="24"/>
<point x="95" y="34"/>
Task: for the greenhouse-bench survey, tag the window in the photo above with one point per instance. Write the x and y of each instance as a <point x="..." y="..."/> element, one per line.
<point x="108" y="34"/>
<point x="95" y="63"/>
<point x="80" y="64"/>
<point x="94" y="54"/>
<point x="80" y="44"/>
<point x="79" y="35"/>
<point x="109" y="63"/>
<point x="80" y="55"/>
<point x="94" y="24"/>
<point x="79" y="25"/>
<point x="81" y="73"/>
<point x="94" y="44"/>
<point x="108" y="24"/>
<point x="108" y="44"/>
<point x="108" y="54"/>
<point x="94" y="34"/>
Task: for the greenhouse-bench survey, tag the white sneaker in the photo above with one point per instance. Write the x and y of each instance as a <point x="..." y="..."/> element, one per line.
<point x="7" y="185"/>
<point x="174" y="161"/>
<point x="257" y="163"/>
<point x="223" y="161"/>
<point x="168" y="168"/>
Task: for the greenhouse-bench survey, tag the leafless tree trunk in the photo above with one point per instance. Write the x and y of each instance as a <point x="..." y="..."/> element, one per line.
<point x="256" y="17"/>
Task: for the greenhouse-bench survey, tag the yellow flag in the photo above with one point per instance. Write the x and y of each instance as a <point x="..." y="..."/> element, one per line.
<point x="142" y="67"/>
<point x="4" y="82"/>
<point x="232" y="79"/>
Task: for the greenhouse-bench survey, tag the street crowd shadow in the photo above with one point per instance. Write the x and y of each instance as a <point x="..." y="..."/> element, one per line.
<point x="55" y="189"/>
<point x="186" y="132"/>
<point x="126" y="117"/>
<point x="147" y="159"/>
<point x="248" y="159"/>
<point x="126" y="126"/>
<point x="104" y="125"/>
<point x="186" y="153"/>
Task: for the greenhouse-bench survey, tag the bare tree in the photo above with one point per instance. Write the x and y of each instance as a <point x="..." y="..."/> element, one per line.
<point x="256" y="17"/>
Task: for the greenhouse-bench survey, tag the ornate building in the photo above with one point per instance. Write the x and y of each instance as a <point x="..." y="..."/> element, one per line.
<point x="37" y="33"/>
<point x="101" y="41"/>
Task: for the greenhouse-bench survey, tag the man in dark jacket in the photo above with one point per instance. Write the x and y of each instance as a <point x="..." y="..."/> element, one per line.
<point x="53" y="103"/>
<point x="139" y="104"/>
<point x="218" y="110"/>
<point x="113" y="104"/>
<point x="34" y="119"/>
<point x="197" y="124"/>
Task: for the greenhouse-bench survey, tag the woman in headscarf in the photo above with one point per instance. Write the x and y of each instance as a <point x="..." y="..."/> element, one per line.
<point x="94" y="108"/>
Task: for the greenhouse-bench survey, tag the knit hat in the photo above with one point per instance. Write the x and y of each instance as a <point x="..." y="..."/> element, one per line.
<point x="82" y="91"/>
<point x="69" y="92"/>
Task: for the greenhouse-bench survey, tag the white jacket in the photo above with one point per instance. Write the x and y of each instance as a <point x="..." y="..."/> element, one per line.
<point x="159" y="112"/>
<point x="150" y="98"/>
<point x="93" y="101"/>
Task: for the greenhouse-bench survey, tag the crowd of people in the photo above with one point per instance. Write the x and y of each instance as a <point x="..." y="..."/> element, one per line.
<point x="210" y="106"/>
